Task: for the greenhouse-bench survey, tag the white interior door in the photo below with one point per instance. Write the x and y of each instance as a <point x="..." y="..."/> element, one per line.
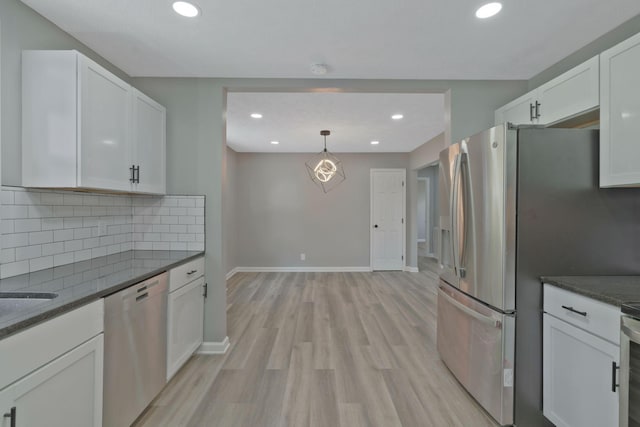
<point x="387" y="219"/>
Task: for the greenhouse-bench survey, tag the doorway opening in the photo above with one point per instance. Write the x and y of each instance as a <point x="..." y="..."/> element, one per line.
<point x="427" y="218"/>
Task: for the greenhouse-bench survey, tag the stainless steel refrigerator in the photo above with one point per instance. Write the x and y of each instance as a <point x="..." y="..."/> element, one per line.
<point x="517" y="204"/>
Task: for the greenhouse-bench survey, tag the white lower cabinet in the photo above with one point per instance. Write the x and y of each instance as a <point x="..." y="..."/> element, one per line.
<point x="579" y="376"/>
<point x="185" y="324"/>
<point x="66" y="392"/>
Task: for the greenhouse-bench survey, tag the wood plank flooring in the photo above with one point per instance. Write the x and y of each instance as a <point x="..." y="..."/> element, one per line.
<point x="322" y="349"/>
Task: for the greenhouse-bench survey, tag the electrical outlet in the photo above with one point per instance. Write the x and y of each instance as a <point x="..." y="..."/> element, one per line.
<point x="303" y="257"/>
<point x="102" y="228"/>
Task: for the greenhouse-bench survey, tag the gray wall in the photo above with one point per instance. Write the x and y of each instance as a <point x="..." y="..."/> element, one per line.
<point x="22" y="28"/>
<point x="283" y="213"/>
<point x="594" y="48"/>
<point x="229" y="209"/>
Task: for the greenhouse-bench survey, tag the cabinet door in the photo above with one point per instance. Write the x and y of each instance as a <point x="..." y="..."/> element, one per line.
<point x="149" y="147"/>
<point x="186" y="321"/>
<point x="65" y="392"/>
<point x="620" y="114"/>
<point x="519" y="111"/>
<point x="104" y="147"/>
<point x="570" y="94"/>
<point x="577" y="376"/>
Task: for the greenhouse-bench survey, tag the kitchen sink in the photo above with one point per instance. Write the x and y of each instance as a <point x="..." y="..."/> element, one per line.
<point x="11" y="302"/>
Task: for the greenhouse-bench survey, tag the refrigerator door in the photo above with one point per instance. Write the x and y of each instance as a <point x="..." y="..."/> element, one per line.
<point x="477" y="344"/>
<point x="484" y="197"/>
<point x="448" y="167"/>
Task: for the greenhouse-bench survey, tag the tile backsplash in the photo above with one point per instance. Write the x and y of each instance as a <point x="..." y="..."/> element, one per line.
<point x="45" y="228"/>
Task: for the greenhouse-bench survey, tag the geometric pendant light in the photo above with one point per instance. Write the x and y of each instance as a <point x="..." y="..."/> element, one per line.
<point x="325" y="169"/>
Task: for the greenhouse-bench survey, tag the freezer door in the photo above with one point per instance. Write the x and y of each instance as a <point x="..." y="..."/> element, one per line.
<point x="477" y="344"/>
<point x="484" y="197"/>
<point x="447" y="167"/>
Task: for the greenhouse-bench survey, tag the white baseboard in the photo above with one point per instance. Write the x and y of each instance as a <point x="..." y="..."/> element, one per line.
<point x="212" y="347"/>
<point x="301" y="269"/>
<point x="231" y="273"/>
<point x="411" y="269"/>
<point x="422" y="240"/>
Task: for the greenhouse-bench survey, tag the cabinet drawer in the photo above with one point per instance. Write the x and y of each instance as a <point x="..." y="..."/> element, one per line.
<point x="186" y="273"/>
<point x="596" y="317"/>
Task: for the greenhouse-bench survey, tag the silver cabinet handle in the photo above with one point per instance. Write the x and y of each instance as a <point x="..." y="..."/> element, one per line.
<point x="573" y="310"/>
<point x="538" y="110"/>
<point x="531" y="108"/>
<point x="13" y="415"/>
<point x="189" y="273"/>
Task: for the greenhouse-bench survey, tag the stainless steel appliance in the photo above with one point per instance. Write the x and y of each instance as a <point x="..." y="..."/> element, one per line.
<point x="517" y="204"/>
<point x="629" y="379"/>
<point x="135" y="342"/>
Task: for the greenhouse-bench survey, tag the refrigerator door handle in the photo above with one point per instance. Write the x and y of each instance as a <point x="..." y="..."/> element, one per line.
<point x="453" y="211"/>
<point x="461" y="251"/>
<point x="487" y="320"/>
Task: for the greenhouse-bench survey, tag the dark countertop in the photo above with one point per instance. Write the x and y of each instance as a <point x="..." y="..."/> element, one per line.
<point x="614" y="290"/>
<point x="83" y="282"/>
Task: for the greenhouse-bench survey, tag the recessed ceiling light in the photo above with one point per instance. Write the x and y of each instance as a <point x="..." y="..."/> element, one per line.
<point x="397" y="116"/>
<point x="275" y="142"/>
<point x="256" y="115"/>
<point x="185" y="8"/>
<point x="488" y="10"/>
<point x="375" y="142"/>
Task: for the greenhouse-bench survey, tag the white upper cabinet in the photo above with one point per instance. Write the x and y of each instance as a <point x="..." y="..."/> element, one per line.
<point x="620" y="114"/>
<point x="148" y="153"/>
<point x="518" y="111"/>
<point x="568" y="95"/>
<point x="83" y="127"/>
<point x="105" y="140"/>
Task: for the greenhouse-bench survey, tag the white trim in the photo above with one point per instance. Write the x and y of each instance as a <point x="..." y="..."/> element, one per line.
<point x="231" y="273"/>
<point x="301" y="269"/>
<point x="422" y="240"/>
<point x="404" y="213"/>
<point x="213" y="347"/>
<point x="411" y="269"/>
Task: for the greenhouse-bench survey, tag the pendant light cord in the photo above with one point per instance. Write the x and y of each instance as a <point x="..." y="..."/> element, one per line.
<point x="325" y="143"/>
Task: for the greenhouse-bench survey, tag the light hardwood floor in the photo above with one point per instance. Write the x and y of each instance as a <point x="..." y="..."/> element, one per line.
<point x="322" y="349"/>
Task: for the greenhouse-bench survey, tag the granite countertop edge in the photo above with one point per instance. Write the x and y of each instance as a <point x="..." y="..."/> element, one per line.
<point x="614" y="290"/>
<point x="56" y="311"/>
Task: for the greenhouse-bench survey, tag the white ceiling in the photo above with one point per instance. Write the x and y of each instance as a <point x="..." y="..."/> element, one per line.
<point x="355" y="119"/>
<point x="405" y="39"/>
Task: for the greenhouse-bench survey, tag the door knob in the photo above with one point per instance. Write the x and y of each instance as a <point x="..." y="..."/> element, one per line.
<point x="375" y="226"/>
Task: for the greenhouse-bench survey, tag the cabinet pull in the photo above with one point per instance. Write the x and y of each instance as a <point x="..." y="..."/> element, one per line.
<point x="13" y="415"/>
<point x="614" y="381"/>
<point x="141" y="297"/>
<point x="132" y="169"/>
<point x="136" y="172"/>
<point x="531" y="107"/>
<point x="189" y="273"/>
<point x="573" y="310"/>
<point x="206" y="289"/>
<point x="538" y="110"/>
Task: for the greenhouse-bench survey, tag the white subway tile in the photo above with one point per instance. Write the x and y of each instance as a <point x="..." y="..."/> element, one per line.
<point x="52" y="248"/>
<point x="143" y="246"/>
<point x="161" y="228"/>
<point x="62" y="259"/>
<point x="199" y="220"/>
<point x="72" y="199"/>
<point x="195" y="211"/>
<point x="113" y="249"/>
<point x="178" y="246"/>
<point x="91" y="200"/>
<point x="81" y="211"/>
<point x="6" y="197"/>
<point x="14" y="240"/>
<point x="178" y="211"/>
<point x="27" y="225"/>
<point x="98" y="252"/>
<point x="14" y="269"/>
<point x="81" y="233"/>
<point x="7" y="255"/>
<point x="170" y="202"/>
<point x="7" y="226"/>
<point x="73" y="222"/>
<point x="82" y="255"/>
<point x="187" y="220"/>
<point x="169" y="237"/>
<point x="62" y="211"/>
<point x="98" y="211"/>
<point x="186" y="237"/>
<point x="91" y="243"/>
<point x="52" y="224"/>
<point x="106" y="240"/>
<point x="195" y="246"/>
<point x="196" y="229"/>
<point x="40" y="237"/>
<point x="28" y="252"/>
<point x="178" y="228"/>
<point x="73" y="245"/>
<point x="51" y="199"/>
<point x="161" y="246"/>
<point x="114" y="229"/>
<point x="127" y="246"/>
<point x="187" y="203"/>
<point x="12" y="212"/>
<point x="26" y="198"/>
<point x="62" y="235"/>
<point x="200" y="202"/>
<point x="40" y="263"/>
<point x="40" y="211"/>
<point x="151" y="237"/>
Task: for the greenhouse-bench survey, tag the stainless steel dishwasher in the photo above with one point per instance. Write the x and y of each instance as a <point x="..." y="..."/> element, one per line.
<point x="135" y="343"/>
